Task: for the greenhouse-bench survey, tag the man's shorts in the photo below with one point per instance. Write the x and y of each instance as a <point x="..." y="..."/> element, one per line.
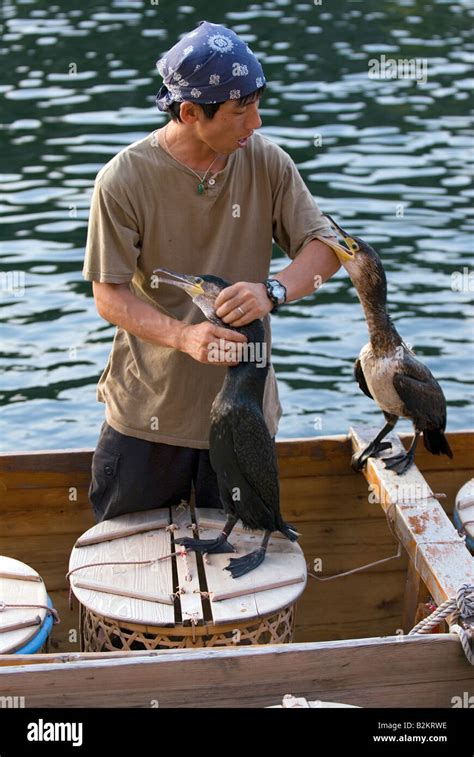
<point x="130" y="474"/>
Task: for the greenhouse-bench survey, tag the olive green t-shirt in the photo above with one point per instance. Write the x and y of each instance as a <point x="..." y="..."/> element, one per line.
<point x="146" y="213"/>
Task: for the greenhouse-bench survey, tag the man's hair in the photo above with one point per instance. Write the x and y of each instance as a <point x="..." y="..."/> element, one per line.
<point x="210" y="109"/>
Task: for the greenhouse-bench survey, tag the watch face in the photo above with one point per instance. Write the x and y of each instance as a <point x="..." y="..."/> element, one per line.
<point x="278" y="291"/>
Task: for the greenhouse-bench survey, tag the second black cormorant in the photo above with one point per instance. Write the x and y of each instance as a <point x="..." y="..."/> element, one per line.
<point x="387" y="370"/>
<point x="241" y="449"/>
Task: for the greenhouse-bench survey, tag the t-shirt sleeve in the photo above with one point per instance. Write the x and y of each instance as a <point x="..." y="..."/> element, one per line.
<point x="296" y="217"/>
<point x="113" y="239"/>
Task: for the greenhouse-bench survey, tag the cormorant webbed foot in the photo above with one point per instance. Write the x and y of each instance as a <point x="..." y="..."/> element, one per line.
<point x="359" y="459"/>
<point x="210" y="546"/>
<point x="239" y="566"/>
<point x="399" y="463"/>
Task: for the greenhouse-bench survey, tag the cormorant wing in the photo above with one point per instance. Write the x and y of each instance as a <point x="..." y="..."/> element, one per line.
<point x="256" y="457"/>
<point x="360" y="378"/>
<point x="421" y="394"/>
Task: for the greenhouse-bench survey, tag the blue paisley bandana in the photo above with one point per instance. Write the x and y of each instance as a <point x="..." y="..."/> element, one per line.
<point x="211" y="64"/>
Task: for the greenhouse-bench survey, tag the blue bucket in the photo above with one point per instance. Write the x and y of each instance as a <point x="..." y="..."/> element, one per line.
<point x="39" y="639"/>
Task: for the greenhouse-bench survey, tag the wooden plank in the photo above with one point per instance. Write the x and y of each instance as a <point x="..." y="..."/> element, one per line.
<point x="314" y="456"/>
<point x="304" y="456"/>
<point x="43" y="479"/>
<point x="422" y="672"/>
<point x="462" y="445"/>
<point x="58" y="498"/>
<point x="146" y="579"/>
<point x="421" y="524"/>
<point x="47" y="460"/>
<point x="188" y="578"/>
<point x="318" y="455"/>
<point x="362" y="604"/>
<point x="314" y="499"/>
<point x="217" y="577"/>
<point x="216" y="522"/>
<point x="120" y="526"/>
<point x="17" y="591"/>
<point x="284" y="561"/>
<point x="347" y="545"/>
<point x="416" y="594"/>
<point x="70" y="518"/>
<point x="97" y="535"/>
<point x="117" y="590"/>
<point x="8" y="660"/>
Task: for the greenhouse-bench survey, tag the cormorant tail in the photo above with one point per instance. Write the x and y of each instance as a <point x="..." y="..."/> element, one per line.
<point x="289" y="531"/>
<point x="436" y="443"/>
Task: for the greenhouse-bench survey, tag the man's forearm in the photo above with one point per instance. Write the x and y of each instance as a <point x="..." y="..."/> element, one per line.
<point x="314" y="265"/>
<point x="118" y="305"/>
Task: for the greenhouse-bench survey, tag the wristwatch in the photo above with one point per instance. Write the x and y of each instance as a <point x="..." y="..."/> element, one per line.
<point x="276" y="292"/>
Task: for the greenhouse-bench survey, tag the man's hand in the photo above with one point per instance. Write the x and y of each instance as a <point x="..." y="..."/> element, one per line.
<point x="243" y="303"/>
<point x="208" y="343"/>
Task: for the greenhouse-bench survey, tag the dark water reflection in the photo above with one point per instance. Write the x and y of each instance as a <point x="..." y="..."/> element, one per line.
<point x="388" y="157"/>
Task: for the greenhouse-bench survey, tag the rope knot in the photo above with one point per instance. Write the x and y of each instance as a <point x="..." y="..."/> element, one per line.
<point x="459" y="608"/>
<point x="465" y="602"/>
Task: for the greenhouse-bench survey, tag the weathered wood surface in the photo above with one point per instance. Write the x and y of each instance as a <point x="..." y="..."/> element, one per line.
<point x="398" y="672"/>
<point x="438" y="553"/>
<point x="252" y="595"/>
<point x="416" y="596"/>
<point x="14" y="590"/>
<point x="152" y="579"/>
<point x="187" y="569"/>
<point x="142" y="593"/>
<point x="296" y="457"/>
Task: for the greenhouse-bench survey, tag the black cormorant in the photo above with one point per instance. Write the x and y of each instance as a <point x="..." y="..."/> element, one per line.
<point x="387" y="370"/>
<point x="241" y="449"/>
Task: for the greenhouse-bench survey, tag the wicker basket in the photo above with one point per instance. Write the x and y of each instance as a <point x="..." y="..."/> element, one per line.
<point x="99" y="634"/>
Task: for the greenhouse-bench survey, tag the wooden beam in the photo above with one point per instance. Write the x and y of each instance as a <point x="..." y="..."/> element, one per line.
<point x="437" y="551"/>
<point x="416" y="594"/>
<point x="387" y="672"/>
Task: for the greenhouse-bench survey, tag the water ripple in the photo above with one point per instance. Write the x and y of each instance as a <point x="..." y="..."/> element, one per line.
<point x="390" y="158"/>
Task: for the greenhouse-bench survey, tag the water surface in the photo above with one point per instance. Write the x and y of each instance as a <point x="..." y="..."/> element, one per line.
<point x="390" y="158"/>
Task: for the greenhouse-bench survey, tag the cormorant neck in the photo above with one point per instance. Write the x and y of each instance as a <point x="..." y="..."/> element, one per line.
<point x="384" y="337"/>
<point x="248" y="377"/>
<point x="368" y="276"/>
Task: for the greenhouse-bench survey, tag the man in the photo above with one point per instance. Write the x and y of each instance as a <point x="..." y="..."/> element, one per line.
<point x="204" y="194"/>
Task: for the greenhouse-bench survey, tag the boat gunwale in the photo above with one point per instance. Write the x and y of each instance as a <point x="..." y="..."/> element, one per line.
<point x="296" y="441"/>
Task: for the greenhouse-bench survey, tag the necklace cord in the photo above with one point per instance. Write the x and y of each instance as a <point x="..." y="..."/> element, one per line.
<point x="202" y="179"/>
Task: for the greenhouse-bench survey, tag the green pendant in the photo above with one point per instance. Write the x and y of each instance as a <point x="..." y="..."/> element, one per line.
<point x="200" y="188"/>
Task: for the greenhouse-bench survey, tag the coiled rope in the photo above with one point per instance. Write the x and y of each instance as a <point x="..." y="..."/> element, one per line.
<point x="461" y="608"/>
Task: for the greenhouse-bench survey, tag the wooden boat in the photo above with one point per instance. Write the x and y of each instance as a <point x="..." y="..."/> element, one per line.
<point x="350" y="644"/>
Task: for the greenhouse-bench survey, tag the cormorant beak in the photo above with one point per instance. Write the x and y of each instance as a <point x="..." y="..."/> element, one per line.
<point x="192" y="285"/>
<point x="344" y="254"/>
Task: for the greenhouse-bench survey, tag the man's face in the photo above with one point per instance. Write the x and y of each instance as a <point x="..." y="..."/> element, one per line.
<point x="231" y="123"/>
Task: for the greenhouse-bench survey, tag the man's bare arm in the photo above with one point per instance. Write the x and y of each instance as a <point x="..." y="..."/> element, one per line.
<point x="314" y="265"/>
<point x="116" y="304"/>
